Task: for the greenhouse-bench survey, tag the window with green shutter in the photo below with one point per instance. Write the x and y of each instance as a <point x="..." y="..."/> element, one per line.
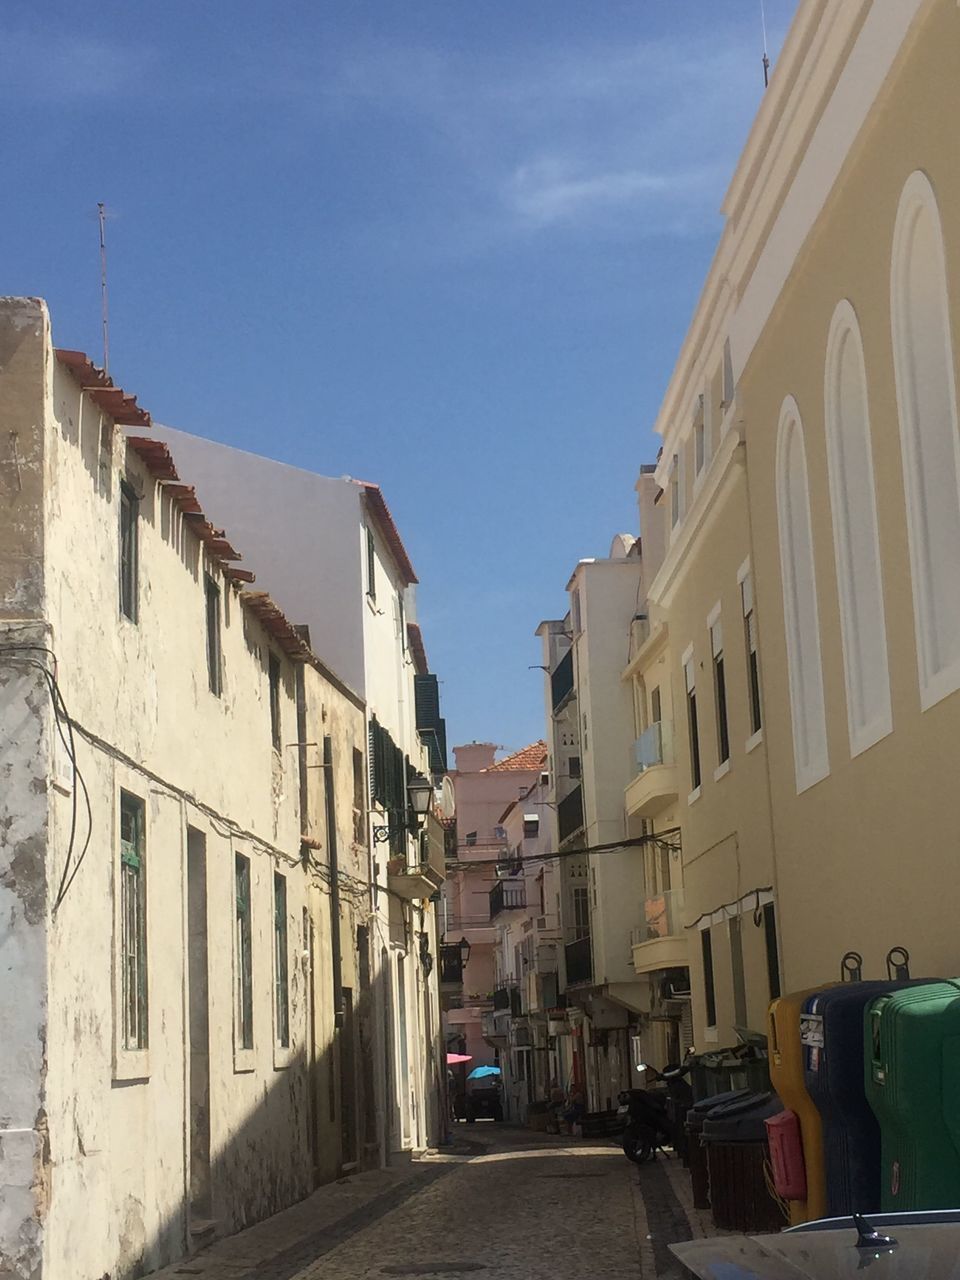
<point x="281" y="967"/>
<point x="243" y="1017"/>
<point x="133" y="924"/>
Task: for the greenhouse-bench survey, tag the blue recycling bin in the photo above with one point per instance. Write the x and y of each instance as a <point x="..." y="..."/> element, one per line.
<point x="831" y="1035"/>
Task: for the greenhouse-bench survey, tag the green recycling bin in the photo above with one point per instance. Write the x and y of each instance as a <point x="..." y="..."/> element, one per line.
<point x="912" y="1079"/>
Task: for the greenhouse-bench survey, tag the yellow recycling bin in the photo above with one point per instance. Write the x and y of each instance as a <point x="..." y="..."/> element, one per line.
<point x="787" y="1051"/>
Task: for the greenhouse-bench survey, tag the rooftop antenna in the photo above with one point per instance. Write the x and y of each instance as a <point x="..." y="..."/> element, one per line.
<point x="766" y="60"/>
<point x="102" y="220"/>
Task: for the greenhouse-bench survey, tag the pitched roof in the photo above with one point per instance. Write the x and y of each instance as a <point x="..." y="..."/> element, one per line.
<point x="377" y="505"/>
<point x="527" y="758"/>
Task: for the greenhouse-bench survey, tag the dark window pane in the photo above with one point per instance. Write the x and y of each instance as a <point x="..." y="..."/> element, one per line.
<point x="706" y="945"/>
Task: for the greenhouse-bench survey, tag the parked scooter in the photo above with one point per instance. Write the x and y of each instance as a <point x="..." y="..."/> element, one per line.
<point x="655" y="1119"/>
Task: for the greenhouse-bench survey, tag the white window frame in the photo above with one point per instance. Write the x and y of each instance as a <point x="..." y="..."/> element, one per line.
<point x="128" y="1064"/>
<point x="869" y="712"/>
<point x="917" y="197"/>
<point x="801" y="620"/>
<point x="715" y="636"/>
<point x="745" y="580"/>
<point x="690" y="686"/>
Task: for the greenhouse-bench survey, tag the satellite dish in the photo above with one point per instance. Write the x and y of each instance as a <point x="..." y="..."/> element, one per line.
<point x="448" y="799"/>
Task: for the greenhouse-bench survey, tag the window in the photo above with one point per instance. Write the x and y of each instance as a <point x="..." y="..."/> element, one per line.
<point x="576" y="622"/>
<point x="929" y="434"/>
<point x="402" y="622"/>
<point x="773" y="953"/>
<point x="371" y="566"/>
<point x="573" y="767"/>
<point x="129" y="550"/>
<point x="581" y="911"/>
<point x="689" y="676"/>
<point x="243" y="1015"/>
<point x="274" y="665"/>
<point x="719" y="690"/>
<point x="800" y="612"/>
<point x="675" y="491"/>
<point x="750" y="645"/>
<point x="855" y="534"/>
<point x="214" y="661"/>
<point x="709" y="991"/>
<point x="133" y="924"/>
<point x="281" y="962"/>
<point x="471" y="839"/>
<point x="655" y="711"/>
<point x="699" y="436"/>
<point x="729" y="385"/>
<point x="359" y="799"/>
<point x="736" y="966"/>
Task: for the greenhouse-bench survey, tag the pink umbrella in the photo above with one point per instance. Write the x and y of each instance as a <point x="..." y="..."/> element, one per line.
<point x="454" y="1058"/>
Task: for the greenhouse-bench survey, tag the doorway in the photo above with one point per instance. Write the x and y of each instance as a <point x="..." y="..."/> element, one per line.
<point x="198" y="982"/>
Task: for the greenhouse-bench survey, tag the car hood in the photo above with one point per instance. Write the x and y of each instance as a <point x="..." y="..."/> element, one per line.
<point x="928" y="1252"/>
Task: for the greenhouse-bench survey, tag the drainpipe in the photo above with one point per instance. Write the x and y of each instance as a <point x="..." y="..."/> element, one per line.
<point x="334" y="864"/>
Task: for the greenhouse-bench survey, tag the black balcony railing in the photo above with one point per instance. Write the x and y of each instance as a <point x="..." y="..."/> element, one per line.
<point x="579" y="961"/>
<point x="507" y="895"/>
<point x="451" y="962"/>
<point x="508" y="997"/>
<point x="570" y="814"/>
<point x="561" y="680"/>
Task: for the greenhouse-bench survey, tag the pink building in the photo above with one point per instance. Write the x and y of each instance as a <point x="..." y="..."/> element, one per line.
<point x="485" y="787"/>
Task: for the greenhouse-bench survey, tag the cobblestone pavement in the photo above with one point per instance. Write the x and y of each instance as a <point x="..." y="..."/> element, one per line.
<point x="506" y="1204"/>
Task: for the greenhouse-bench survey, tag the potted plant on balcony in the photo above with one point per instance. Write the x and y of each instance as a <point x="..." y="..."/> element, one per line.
<point x="396" y="866"/>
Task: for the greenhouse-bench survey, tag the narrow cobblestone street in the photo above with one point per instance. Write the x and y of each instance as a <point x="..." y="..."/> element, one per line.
<point x="503" y="1204"/>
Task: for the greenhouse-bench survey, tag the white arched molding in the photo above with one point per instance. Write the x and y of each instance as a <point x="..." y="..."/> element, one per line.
<point x="929" y="437"/>
<point x="856" y="539"/>
<point x="800" y="614"/>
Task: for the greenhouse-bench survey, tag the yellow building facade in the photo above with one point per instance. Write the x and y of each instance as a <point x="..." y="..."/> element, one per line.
<point x="810" y="478"/>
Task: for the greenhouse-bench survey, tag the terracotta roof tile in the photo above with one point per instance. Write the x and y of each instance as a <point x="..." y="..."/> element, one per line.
<point x="532" y="757"/>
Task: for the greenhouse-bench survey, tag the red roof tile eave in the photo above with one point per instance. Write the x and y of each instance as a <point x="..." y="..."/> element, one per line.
<point x="102" y="390"/>
<point x="527" y="759"/>
<point x="381" y="513"/>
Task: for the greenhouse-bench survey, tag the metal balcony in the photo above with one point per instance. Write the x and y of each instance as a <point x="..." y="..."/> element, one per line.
<point x="570" y="814"/>
<point x="561" y="681"/>
<point x="579" y="958"/>
<point x="507" y="895"/>
<point x="451" y="964"/>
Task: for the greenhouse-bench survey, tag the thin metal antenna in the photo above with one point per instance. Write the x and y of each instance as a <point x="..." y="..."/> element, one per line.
<point x="102" y="219"/>
<point x="766" y="60"/>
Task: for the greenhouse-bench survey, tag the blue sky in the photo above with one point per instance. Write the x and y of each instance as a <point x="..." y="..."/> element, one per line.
<point x="451" y="247"/>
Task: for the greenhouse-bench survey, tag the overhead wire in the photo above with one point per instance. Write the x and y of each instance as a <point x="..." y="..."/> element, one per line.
<point x="615" y="846"/>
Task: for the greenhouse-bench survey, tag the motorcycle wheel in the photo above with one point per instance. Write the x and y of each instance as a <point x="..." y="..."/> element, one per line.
<point x="638" y="1150"/>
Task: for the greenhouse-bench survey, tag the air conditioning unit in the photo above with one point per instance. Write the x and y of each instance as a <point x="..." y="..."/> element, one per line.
<point x="545" y="779"/>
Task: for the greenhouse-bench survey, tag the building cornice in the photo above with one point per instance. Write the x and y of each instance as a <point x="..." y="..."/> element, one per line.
<point x="825" y="82"/>
<point x="729" y="461"/>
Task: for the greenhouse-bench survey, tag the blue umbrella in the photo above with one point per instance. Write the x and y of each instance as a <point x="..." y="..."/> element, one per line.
<point x="478" y="1073"/>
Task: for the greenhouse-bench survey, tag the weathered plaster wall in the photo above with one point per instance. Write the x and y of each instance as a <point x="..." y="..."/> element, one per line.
<point x="119" y="1133"/>
<point x="24" y="767"/>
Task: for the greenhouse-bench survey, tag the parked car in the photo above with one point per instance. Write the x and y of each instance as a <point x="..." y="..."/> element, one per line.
<point x="483" y="1098"/>
<point x="921" y="1245"/>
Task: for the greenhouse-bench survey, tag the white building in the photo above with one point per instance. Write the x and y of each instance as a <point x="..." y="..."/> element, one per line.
<point x="336" y="562"/>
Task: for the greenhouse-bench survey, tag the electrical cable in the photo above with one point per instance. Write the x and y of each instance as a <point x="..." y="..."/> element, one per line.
<point x="616" y="846"/>
<point x="768" y="888"/>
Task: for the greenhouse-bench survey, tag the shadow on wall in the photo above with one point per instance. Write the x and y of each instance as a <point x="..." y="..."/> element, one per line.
<point x="316" y="1119"/>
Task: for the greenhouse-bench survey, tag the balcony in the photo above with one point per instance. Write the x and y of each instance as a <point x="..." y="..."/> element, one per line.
<point x="661" y="941"/>
<point x="570" y="814"/>
<point x="451" y="964"/>
<point x="507" y="895"/>
<point x="508" y="998"/>
<point x="655" y="786"/>
<point x="579" y="959"/>
<point x="561" y="682"/>
<point x="420" y="872"/>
